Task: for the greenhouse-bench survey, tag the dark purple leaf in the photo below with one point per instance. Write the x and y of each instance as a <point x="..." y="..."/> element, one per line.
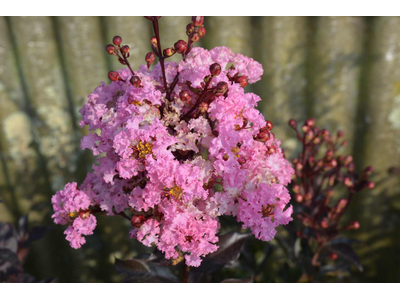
<point x="346" y="252"/>
<point x="230" y="245"/>
<point x="8" y="237"/>
<point x="137" y="270"/>
<point x="37" y="233"/>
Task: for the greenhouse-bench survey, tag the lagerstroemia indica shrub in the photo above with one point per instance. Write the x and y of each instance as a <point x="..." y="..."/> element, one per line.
<point x="179" y="145"/>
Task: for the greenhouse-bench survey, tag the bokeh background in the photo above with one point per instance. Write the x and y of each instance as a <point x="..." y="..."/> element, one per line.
<point x="344" y="71"/>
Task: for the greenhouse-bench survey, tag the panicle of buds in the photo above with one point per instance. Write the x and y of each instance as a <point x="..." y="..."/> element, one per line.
<point x="319" y="170"/>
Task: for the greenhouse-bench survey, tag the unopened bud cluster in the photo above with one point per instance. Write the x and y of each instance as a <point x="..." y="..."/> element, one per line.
<point x="321" y="173"/>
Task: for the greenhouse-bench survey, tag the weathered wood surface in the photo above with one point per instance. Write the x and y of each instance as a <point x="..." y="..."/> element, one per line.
<point x="345" y="71"/>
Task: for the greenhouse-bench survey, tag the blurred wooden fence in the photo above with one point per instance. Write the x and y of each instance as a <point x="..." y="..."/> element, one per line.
<point x="345" y="71"/>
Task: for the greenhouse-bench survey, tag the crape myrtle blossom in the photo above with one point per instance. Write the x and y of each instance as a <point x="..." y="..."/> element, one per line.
<point x="179" y="145"/>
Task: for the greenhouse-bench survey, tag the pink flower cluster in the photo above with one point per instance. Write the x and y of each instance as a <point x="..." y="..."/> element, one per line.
<point x="174" y="166"/>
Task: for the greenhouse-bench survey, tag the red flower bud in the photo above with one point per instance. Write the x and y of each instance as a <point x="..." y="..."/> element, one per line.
<point x="298" y="166"/>
<point x="353" y="225"/>
<point x="324" y="223"/>
<point x="150" y="59"/>
<point x="371" y="185"/>
<point x="137" y="221"/>
<point x="168" y="52"/>
<point x="194" y="37"/>
<point x="298" y="198"/>
<point x="117" y="40"/>
<point x="221" y="88"/>
<point x="333" y="256"/>
<point x="271" y="150"/>
<point x="189" y="29"/>
<point x="340" y="133"/>
<point x="180" y="47"/>
<point x="269" y="125"/>
<point x="197" y="21"/>
<point x="202" y="32"/>
<point x="310" y="122"/>
<point x="296" y="189"/>
<point x="125" y="49"/>
<point x="110" y="49"/>
<point x="263" y="136"/>
<point x="184" y="96"/>
<point x="135" y="81"/>
<point x="293" y="123"/>
<point x="215" y="69"/>
<point x="242" y="80"/>
<point x="113" y="76"/>
<point x="348" y="182"/>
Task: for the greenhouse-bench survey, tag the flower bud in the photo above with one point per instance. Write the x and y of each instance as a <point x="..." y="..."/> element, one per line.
<point x="215" y="69"/>
<point x="117" y="40"/>
<point x="125" y="49"/>
<point x="269" y="125"/>
<point x="189" y="29"/>
<point x="135" y="81"/>
<point x="202" y="32"/>
<point x="153" y="41"/>
<point x="110" y="49"/>
<point x="304" y="128"/>
<point x="184" y="96"/>
<point x="137" y="221"/>
<point x="324" y="223"/>
<point x="333" y="256"/>
<point x="150" y="59"/>
<point x="353" y="225"/>
<point x="296" y="189"/>
<point x="310" y="122"/>
<point x="84" y="214"/>
<point x="348" y="160"/>
<point x="298" y="166"/>
<point x="121" y="60"/>
<point x="368" y="170"/>
<point x="271" y="150"/>
<point x="221" y="88"/>
<point x="308" y="196"/>
<point x="324" y="133"/>
<point x="298" y="198"/>
<point x="348" y="182"/>
<point x="263" y="136"/>
<point x="340" y="133"/>
<point x="180" y="46"/>
<point x="242" y="80"/>
<point x="197" y="21"/>
<point x="168" y="52"/>
<point x="293" y="123"/>
<point x="371" y="185"/>
<point x="194" y="37"/>
<point x="342" y="204"/>
<point x="113" y="76"/>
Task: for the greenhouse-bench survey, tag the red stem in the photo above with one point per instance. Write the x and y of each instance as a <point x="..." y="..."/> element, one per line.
<point x="160" y="57"/>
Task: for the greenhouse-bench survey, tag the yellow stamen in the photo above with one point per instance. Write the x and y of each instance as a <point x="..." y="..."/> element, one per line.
<point x="144" y="149"/>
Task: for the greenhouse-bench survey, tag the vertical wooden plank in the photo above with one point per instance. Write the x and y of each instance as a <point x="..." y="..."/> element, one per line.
<point x="334" y="68"/>
<point x="378" y="145"/>
<point x="135" y="32"/>
<point x="18" y="158"/>
<point x="42" y="72"/>
<point x="232" y="32"/>
<point x="83" y="55"/>
<point x="282" y="52"/>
